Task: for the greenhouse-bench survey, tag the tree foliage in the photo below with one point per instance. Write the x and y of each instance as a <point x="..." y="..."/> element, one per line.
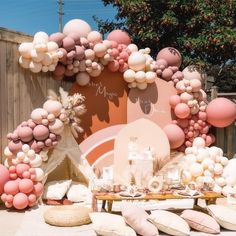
<point x="204" y="31"/>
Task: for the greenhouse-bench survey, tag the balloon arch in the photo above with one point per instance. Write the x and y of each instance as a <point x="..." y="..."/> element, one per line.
<point x="79" y="54"/>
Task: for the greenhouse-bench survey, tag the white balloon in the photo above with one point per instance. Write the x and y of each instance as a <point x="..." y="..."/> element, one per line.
<point x="39" y="174"/>
<point x="218" y="170"/>
<point x="129" y="76"/>
<point x="199" y="142"/>
<point x="227" y="190"/>
<point x="37" y="161"/>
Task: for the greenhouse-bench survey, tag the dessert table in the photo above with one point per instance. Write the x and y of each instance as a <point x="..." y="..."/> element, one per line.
<point x="108" y="198"/>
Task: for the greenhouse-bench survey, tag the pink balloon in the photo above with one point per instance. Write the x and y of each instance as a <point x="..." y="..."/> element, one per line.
<point x="4" y="177"/>
<point x="119" y="36"/>
<point x="38" y="189"/>
<point x="68" y="43"/>
<point x="221" y="112"/>
<point x="167" y="74"/>
<point x="33" y="145"/>
<point x="40" y="132"/>
<point x="57" y="38"/>
<point x="174" y="100"/>
<point x="113" y="66"/>
<point x="11" y="187"/>
<point x="20" y="201"/>
<point x="32" y="198"/>
<point x="25" y="134"/>
<point x="9" y="198"/>
<point x="21" y="168"/>
<point x="75" y="36"/>
<point x="79" y="53"/>
<point x="175" y="135"/>
<point x="182" y="110"/>
<point x="171" y="55"/>
<point x="15" y="146"/>
<point x="26" y="185"/>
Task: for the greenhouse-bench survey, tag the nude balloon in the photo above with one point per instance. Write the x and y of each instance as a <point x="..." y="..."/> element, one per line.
<point x="175" y="135"/>
<point x="38" y="114"/>
<point x="57" y="38"/>
<point x="82" y="78"/>
<point x="53" y="107"/>
<point x="56" y="126"/>
<point x="221" y="112"/>
<point x="81" y="27"/>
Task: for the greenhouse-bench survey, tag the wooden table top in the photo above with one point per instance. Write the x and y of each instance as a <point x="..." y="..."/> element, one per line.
<point x="152" y="196"/>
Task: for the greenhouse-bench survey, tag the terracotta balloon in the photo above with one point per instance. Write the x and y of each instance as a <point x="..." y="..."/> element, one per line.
<point x="119" y="36"/>
<point x="81" y="27"/>
<point x="40" y="132"/>
<point x="171" y="55"/>
<point x="182" y="110"/>
<point x="20" y="201"/>
<point x="175" y="135"/>
<point x="4" y="177"/>
<point x="221" y="112"/>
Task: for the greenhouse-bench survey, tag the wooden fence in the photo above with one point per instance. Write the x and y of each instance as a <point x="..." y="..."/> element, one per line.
<point x="225" y="137"/>
<point x="20" y="90"/>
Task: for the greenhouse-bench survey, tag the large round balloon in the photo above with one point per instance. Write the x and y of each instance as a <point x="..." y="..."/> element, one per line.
<point x="171" y="55"/>
<point x="4" y="177"/>
<point x="175" y="135"/>
<point x="221" y="112"/>
<point x="119" y="36"/>
<point x="77" y="26"/>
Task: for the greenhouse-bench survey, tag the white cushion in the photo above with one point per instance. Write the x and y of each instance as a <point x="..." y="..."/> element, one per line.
<point x="169" y="223"/>
<point x="56" y="190"/>
<point x="78" y="192"/>
<point x="225" y="216"/>
<point x="107" y="224"/>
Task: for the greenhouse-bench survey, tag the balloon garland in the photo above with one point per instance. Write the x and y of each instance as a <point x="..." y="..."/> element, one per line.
<point x="29" y="143"/>
<point x="79" y="54"/>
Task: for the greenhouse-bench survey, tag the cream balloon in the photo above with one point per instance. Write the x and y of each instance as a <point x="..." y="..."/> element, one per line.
<point x="129" y="76"/>
<point x="37" y="161"/>
<point x="137" y="61"/>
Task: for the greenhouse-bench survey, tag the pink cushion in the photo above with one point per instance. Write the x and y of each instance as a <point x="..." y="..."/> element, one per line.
<point x="136" y="217"/>
<point x="201" y="221"/>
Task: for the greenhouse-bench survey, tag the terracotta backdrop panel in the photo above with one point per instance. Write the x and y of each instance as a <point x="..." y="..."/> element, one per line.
<point x="106" y="102"/>
<point x="152" y="103"/>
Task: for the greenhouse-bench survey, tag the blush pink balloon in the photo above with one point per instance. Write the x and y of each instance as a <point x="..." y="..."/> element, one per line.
<point x="40" y="132"/>
<point x="171" y="55"/>
<point x="32" y="198"/>
<point x="174" y="100"/>
<point x="119" y="36"/>
<point x="26" y="185"/>
<point x="11" y="187"/>
<point x="25" y="134"/>
<point x="20" y="201"/>
<point x="182" y="110"/>
<point x="15" y="146"/>
<point x="68" y="43"/>
<point x="57" y="38"/>
<point x="4" y="177"/>
<point x="21" y="168"/>
<point x="221" y="112"/>
<point x="175" y="135"/>
<point x="167" y="74"/>
<point x="38" y="189"/>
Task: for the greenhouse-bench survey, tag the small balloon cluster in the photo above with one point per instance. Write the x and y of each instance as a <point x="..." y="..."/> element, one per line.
<point x="167" y="65"/>
<point x="205" y="166"/>
<point x="29" y="143"/>
<point x="39" y="55"/>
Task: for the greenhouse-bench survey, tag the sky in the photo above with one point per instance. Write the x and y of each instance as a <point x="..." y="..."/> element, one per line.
<point x="31" y="16"/>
